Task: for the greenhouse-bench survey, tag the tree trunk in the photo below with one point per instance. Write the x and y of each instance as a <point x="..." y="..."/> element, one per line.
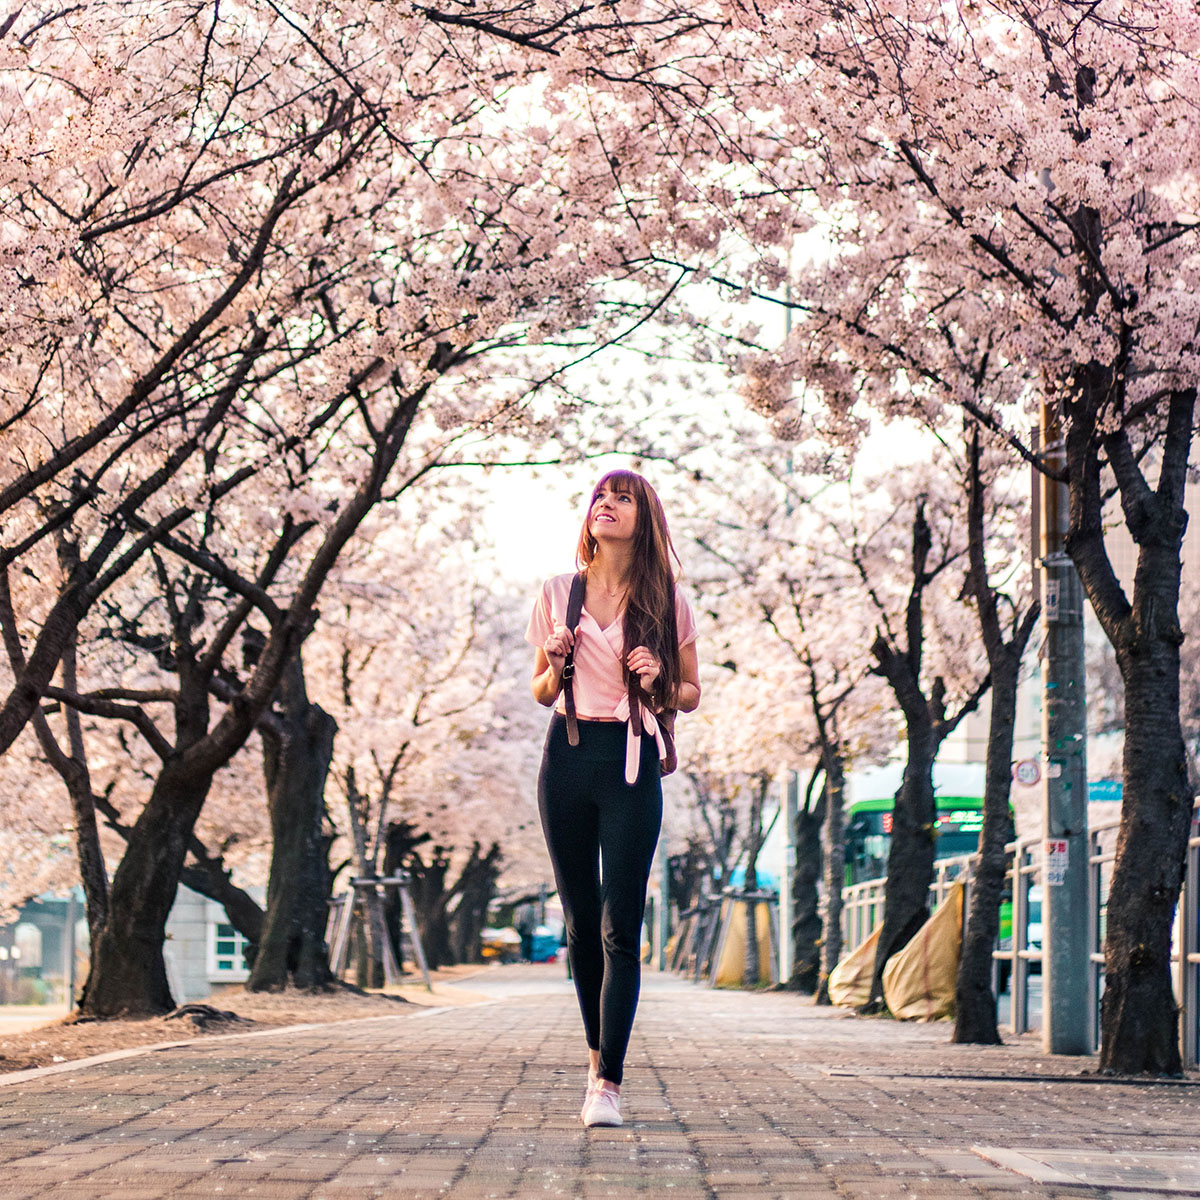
<point x="379" y="912"/>
<point x="1139" y="1018"/>
<point x="689" y="872"/>
<point x="478" y="888"/>
<point x="71" y="765"/>
<point x="400" y="841"/>
<point x="1139" y="1015"/>
<point x="378" y="939"/>
<point x="430" y="900"/>
<point x="806" y="920"/>
<point x="128" y="974"/>
<point x="754" y="839"/>
<point x="910" y="857"/>
<point x="974" y="1000"/>
<point x="297" y="752"/>
<point x="835" y="867"/>
<point x="364" y="965"/>
<point x="93" y="874"/>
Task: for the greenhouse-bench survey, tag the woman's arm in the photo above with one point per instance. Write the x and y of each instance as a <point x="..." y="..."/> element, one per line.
<point x="646" y="666"/>
<point x="687" y="698"/>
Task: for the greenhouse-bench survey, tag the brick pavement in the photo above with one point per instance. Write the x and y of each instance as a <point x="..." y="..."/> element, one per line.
<point x="727" y="1095"/>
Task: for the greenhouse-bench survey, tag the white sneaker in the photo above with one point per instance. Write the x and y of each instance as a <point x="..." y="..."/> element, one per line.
<point x="603" y="1107"/>
<point x="592" y="1084"/>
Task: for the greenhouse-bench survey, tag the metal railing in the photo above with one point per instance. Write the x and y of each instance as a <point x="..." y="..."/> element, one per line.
<point x="1020" y="961"/>
<point x="862" y="903"/>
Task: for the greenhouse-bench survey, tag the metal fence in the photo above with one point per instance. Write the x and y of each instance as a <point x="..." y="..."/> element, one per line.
<point x="1018" y="958"/>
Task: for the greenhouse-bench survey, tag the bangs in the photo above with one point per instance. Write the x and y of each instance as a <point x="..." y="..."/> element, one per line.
<point x="622" y="482"/>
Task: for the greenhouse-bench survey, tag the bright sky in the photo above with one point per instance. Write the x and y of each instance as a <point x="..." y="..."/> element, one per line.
<point x="534" y="523"/>
<point x="533" y="519"/>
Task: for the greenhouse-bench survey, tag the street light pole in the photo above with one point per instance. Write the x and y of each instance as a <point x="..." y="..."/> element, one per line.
<point x="1066" y="1023"/>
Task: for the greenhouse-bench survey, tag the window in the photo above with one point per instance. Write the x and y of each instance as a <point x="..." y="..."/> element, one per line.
<point x="226" y="954"/>
<point x="28" y="945"/>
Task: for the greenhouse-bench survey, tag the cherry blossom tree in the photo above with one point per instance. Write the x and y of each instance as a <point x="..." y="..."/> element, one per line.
<point x="112" y="370"/>
<point x="1006" y="619"/>
<point x="768" y="572"/>
<point x="1008" y="195"/>
<point x="785" y="545"/>
<point x="419" y="665"/>
<point x="438" y="739"/>
<point x="309" y="254"/>
<point x="852" y="723"/>
<point x="273" y="217"/>
<point x="44" y="846"/>
<point x="906" y="541"/>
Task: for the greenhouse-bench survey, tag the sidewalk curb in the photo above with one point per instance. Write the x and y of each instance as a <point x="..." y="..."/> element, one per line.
<point x="81" y="1064"/>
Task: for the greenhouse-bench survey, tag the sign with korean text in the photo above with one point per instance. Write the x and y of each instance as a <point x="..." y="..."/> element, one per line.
<point x="1056" y="861"/>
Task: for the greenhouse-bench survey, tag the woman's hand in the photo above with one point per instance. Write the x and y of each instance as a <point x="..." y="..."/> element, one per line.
<point x="557" y="646"/>
<point x="644" y="665"/>
<point x="548" y="663"/>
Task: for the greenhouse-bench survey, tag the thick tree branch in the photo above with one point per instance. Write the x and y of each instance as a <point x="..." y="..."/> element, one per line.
<point x="136" y="716"/>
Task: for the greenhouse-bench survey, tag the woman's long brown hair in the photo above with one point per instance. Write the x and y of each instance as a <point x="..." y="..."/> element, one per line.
<point x="650" y="602"/>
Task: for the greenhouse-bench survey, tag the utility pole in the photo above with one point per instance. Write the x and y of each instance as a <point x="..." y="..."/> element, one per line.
<point x="1066" y="1025"/>
<point x="789" y="793"/>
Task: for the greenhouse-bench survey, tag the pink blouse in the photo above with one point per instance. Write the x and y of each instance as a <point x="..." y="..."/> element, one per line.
<point x="599" y="684"/>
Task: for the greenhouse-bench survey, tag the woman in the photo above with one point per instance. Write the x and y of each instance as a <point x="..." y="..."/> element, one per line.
<point x="601" y="799"/>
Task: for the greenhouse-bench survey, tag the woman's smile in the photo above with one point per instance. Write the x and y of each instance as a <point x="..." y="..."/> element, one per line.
<point x="612" y="510"/>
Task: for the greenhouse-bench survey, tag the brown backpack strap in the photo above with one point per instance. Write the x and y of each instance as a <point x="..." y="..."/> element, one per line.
<point x="574" y="608"/>
<point x="636" y="698"/>
<point x="670" y="758"/>
<point x="639" y="697"/>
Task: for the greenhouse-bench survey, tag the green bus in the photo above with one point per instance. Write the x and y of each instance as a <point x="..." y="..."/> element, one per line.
<point x="958" y="789"/>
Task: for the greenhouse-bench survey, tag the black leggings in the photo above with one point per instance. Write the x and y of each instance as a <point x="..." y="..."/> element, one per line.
<point x="591" y="816"/>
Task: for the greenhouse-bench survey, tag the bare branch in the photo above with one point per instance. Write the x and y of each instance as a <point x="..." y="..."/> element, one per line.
<point x="135" y="715"/>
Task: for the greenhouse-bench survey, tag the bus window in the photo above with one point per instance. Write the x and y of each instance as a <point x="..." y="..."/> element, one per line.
<point x="869" y="834"/>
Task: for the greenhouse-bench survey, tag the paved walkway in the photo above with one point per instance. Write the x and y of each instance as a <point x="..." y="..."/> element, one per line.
<point x="727" y="1094"/>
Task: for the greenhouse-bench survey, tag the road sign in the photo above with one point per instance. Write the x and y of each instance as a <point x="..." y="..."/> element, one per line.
<point x="1027" y="772"/>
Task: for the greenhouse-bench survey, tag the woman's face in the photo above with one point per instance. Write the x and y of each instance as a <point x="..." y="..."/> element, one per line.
<point x="613" y="515"/>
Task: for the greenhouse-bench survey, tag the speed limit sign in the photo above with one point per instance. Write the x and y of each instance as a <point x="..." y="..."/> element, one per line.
<point x="1027" y="771"/>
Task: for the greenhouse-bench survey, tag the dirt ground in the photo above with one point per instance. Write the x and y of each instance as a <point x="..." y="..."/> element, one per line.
<point x="229" y="1010"/>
